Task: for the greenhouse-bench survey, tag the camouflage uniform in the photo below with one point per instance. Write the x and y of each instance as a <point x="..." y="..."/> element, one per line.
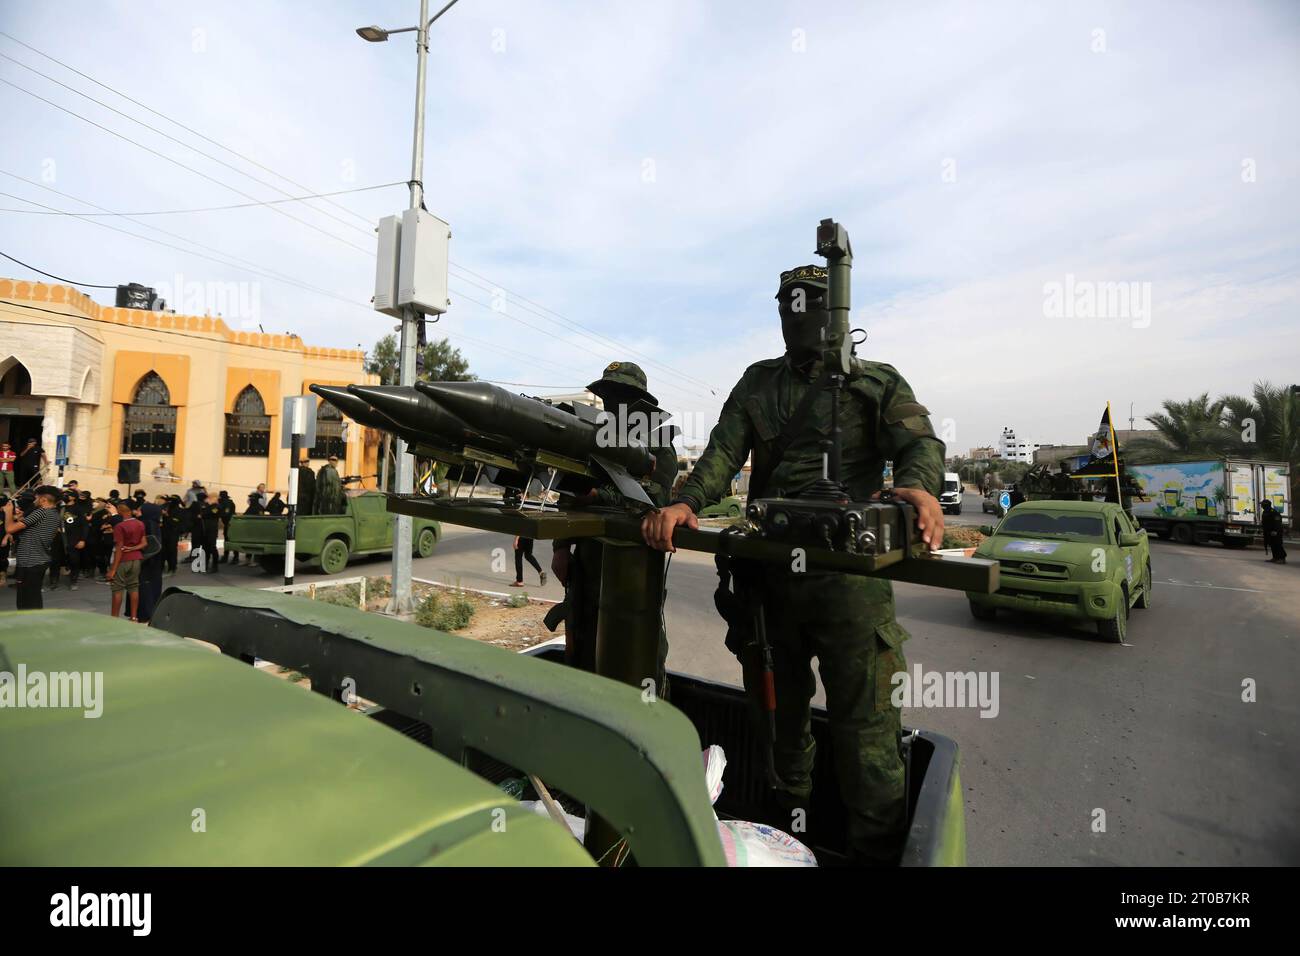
<point x="845" y="621"/>
<point x="585" y="564"/>
<point x="329" y="491"/>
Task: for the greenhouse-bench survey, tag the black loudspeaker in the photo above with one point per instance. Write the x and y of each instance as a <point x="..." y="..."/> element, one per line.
<point x="128" y="471"/>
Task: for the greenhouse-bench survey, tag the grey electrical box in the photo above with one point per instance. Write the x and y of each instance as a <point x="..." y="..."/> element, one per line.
<point x="386" y="261"/>
<point x="422" y="268"/>
<point x="298" y="416"/>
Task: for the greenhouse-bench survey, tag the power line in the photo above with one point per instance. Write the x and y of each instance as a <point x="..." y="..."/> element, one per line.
<point x="247" y="195"/>
<point x="208" y="345"/>
<point x="174" y="122"/>
<point x="158" y="242"/>
<point x="85" y="285"/>
<point x="605" y="341"/>
<point x="255" y="267"/>
<point x="181" y="212"/>
<point x="592" y="333"/>
<point x="155" y="129"/>
<point x="530" y="359"/>
<point x="177" y="162"/>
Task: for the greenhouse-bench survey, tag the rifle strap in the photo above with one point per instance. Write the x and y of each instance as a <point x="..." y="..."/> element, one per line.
<point x="794" y="424"/>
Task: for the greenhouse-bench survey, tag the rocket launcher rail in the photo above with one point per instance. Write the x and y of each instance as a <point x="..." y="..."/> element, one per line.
<point x="913" y="565"/>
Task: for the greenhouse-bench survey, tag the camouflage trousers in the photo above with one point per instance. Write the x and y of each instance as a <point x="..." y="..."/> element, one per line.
<point x="848" y="624"/>
<point x="580" y="624"/>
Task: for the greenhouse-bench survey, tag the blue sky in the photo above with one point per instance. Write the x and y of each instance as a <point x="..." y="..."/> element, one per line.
<point x="646" y="170"/>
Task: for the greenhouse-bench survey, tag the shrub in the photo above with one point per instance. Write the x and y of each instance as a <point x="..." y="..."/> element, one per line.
<point x="518" y="600"/>
<point x="445" y="613"/>
<point x="378" y="587"/>
<point x="347" y="595"/>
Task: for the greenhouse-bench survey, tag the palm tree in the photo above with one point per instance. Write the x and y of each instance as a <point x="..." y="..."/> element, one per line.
<point x="1188" y="430"/>
<point x="1278" y="425"/>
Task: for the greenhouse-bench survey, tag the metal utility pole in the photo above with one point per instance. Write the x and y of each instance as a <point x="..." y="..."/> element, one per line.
<point x="404" y="466"/>
<point x="291" y="527"/>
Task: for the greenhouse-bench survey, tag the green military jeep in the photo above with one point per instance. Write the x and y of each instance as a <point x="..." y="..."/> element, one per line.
<point x="194" y="757"/>
<point x="330" y="540"/>
<point x="1086" y="560"/>
<point x="732" y="506"/>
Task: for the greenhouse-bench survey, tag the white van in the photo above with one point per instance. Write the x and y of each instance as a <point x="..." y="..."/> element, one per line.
<point x="950" y="496"/>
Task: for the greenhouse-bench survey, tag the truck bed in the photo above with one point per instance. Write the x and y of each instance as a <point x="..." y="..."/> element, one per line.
<point x="720" y="715"/>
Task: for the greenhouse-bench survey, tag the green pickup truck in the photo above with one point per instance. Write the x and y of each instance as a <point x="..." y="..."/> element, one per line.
<point x="1085" y="560"/>
<point x="196" y="758"/>
<point x="329" y="540"/>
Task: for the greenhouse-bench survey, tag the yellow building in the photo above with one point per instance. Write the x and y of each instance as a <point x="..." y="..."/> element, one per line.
<point x="182" y="393"/>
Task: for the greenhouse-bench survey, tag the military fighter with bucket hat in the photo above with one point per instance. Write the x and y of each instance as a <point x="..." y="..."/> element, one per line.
<point x="577" y="563"/>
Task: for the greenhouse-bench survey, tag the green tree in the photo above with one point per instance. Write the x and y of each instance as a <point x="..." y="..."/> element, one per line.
<point x="1188" y="430"/>
<point x="442" y="363"/>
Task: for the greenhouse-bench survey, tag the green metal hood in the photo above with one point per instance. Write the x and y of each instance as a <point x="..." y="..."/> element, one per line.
<point x="274" y="774"/>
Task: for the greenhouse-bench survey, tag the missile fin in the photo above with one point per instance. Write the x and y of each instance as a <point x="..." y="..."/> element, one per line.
<point x="588" y="413"/>
<point x="626" y="484"/>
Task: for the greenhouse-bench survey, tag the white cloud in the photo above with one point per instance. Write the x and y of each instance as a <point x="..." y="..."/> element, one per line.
<point x="1117" y="166"/>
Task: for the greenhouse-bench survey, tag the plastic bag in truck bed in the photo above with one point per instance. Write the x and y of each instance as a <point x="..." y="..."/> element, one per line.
<point x="751" y="844"/>
<point x="743" y="843"/>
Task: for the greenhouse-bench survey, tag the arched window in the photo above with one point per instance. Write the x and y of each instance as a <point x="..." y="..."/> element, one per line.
<point x="329" y="433"/>
<point x="149" y="423"/>
<point x="248" y="427"/>
<point x="16" y="381"/>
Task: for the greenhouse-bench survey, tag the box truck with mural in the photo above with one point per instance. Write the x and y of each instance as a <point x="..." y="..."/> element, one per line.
<point x="1215" y="500"/>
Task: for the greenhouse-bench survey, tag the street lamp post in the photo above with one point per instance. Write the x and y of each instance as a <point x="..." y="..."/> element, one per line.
<point x="404" y="478"/>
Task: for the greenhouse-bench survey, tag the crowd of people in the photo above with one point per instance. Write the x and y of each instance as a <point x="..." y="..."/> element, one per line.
<point x="58" y="537"/>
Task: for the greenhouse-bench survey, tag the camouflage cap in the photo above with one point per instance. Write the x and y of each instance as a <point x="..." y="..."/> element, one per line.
<point x="810" y="275"/>
<point x="625" y="374"/>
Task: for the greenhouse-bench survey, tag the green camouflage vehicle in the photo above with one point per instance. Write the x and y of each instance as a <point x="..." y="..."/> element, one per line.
<point x="733" y="506"/>
<point x="197" y="758"/>
<point x="329" y="540"/>
<point x="1085" y="560"/>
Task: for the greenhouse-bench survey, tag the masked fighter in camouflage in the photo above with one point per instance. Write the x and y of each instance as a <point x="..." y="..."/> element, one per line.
<point x="845" y="621"/>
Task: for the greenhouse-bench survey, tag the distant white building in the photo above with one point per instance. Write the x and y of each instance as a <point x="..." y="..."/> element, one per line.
<point x="586" y="397"/>
<point x="1011" y="448"/>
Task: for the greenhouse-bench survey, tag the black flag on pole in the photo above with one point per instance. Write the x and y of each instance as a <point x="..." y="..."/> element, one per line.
<point x="1105" y="452"/>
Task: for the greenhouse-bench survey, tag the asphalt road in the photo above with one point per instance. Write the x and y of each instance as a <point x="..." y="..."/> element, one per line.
<point x="972" y="512"/>
<point x="1155" y="733"/>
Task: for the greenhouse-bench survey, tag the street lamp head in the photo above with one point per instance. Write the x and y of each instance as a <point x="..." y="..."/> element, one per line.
<point x="372" y="34"/>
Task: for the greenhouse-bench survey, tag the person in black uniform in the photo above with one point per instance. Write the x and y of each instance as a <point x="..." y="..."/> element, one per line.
<point x="76" y="531"/>
<point x="5" y="542"/>
<point x="151" y="568"/>
<point x="276" y="505"/>
<point x="185" y="512"/>
<point x="306" y="489"/>
<point x="254" y="509"/>
<point x="170" y="530"/>
<point x="195" y="520"/>
<point x="100" y="542"/>
<point x="58" y="550"/>
<point x="227" y="509"/>
<point x="208" y="526"/>
<point x="1271" y="524"/>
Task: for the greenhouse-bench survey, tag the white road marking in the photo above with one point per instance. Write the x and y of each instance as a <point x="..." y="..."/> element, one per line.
<point x="1216" y="587"/>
